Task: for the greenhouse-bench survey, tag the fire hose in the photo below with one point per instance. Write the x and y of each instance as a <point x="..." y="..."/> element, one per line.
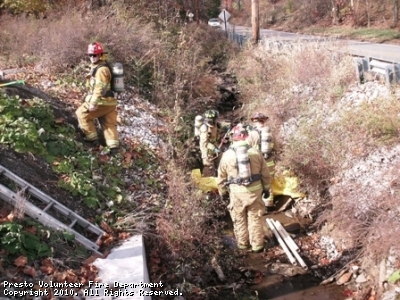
<point x="12" y="83"/>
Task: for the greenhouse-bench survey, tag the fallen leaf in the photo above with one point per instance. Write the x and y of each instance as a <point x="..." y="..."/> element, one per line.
<point x="91" y="259"/>
<point x="30" y="271"/>
<point x="344" y="278"/>
<point x="103" y="158"/>
<point x="108" y="240"/>
<point x="21" y="261"/>
<point x="324" y="261"/>
<point x="71" y="276"/>
<point x="31" y="230"/>
<point x="123" y="235"/>
<point x="47" y="270"/>
<point x="127" y="157"/>
<point x="4" y="212"/>
<point x="11" y="216"/>
<point x="106" y="227"/>
<point x="59" y="120"/>
<point x="347" y="293"/>
<point x="60" y="276"/>
<point x="47" y="266"/>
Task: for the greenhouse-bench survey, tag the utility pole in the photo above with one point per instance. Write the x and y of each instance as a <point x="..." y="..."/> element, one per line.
<point x="255" y="22"/>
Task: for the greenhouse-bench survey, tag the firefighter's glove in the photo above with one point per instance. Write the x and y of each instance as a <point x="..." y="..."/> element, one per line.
<point x="265" y="194"/>
<point x="92" y="107"/>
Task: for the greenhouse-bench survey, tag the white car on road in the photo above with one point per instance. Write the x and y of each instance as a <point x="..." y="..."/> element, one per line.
<point x="214" y="22"/>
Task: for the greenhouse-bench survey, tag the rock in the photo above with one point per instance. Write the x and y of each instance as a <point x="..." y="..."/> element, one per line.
<point x="389" y="295"/>
<point x="285" y="269"/>
<point x="344" y="278"/>
<point x="292" y="227"/>
<point x="361" y="278"/>
<point x="355" y="269"/>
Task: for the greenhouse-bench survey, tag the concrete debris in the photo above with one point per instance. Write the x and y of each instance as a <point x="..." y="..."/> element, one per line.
<point x="361" y="278"/>
<point x="328" y="244"/>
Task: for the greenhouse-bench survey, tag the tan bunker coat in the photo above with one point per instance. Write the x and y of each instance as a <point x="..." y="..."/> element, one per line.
<point x="246" y="206"/>
<point x="99" y="94"/>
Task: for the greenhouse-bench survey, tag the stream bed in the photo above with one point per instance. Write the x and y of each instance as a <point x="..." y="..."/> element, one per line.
<point x="289" y="282"/>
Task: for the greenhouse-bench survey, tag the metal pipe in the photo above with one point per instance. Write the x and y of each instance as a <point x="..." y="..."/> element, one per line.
<point x="286" y="237"/>
<point x="290" y="243"/>
<point x="281" y="242"/>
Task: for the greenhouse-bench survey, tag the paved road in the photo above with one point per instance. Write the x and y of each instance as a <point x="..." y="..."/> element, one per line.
<point x="385" y="52"/>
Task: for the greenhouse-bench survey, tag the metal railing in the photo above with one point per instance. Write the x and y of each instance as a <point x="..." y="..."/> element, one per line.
<point x="389" y="70"/>
<point x="378" y="67"/>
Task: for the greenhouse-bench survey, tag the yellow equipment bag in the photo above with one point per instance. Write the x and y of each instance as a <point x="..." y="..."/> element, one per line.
<point x="205" y="184"/>
<point x="287" y="184"/>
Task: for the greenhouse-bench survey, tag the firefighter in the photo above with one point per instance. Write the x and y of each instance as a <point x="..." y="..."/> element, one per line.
<point x="245" y="190"/>
<point x="100" y="102"/>
<point x="260" y="137"/>
<point x="208" y="141"/>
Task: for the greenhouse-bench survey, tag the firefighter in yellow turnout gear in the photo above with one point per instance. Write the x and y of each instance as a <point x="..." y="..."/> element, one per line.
<point x="245" y="191"/>
<point x="100" y="102"/>
<point x="208" y="142"/>
<point x="260" y="138"/>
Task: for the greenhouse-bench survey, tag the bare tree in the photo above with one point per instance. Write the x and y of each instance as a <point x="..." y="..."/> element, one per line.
<point x="395" y="12"/>
<point x="368" y="13"/>
<point x="255" y="20"/>
<point x="336" y="11"/>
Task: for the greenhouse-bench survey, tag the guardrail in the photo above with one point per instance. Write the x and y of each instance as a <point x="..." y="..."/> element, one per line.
<point x="378" y="67"/>
<point x="238" y="38"/>
<point x="389" y="70"/>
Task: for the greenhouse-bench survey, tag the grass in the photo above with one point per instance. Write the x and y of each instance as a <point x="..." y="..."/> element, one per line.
<point x="369" y="34"/>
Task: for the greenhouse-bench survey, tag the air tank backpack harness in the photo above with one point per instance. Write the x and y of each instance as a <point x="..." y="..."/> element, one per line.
<point x="198" y="121"/>
<point x="117" y="77"/>
<point x="265" y="141"/>
<point x="245" y="177"/>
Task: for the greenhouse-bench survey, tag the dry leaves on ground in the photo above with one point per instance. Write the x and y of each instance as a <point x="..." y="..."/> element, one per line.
<point x="21" y="261"/>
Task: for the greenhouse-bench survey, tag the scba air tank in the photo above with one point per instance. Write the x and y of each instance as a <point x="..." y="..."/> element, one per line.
<point x="198" y="121"/>
<point x="118" y="77"/>
<point x="243" y="163"/>
<point x="266" y="139"/>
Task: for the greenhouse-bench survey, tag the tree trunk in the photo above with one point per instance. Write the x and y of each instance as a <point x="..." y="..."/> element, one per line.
<point x="255" y="21"/>
<point x="368" y="14"/>
<point x="395" y="12"/>
<point x="336" y="14"/>
<point x="197" y="12"/>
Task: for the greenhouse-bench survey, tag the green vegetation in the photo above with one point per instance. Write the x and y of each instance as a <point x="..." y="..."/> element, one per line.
<point x="30" y="126"/>
<point x="17" y="241"/>
<point x="370" y="34"/>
